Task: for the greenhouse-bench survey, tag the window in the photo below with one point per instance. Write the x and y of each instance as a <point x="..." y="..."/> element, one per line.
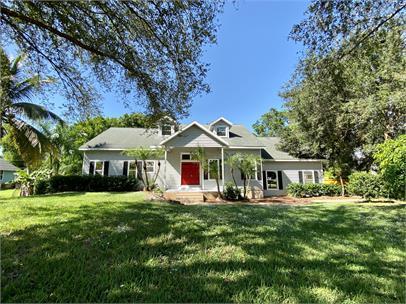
<point x="98" y="167"/>
<point x="186" y="156"/>
<point x="150" y="164"/>
<point x="132" y="168"/>
<point x="166" y="129"/>
<point x="213" y="164"/>
<point x="256" y="174"/>
<point x="308" y="177"/>
<point x="272" y="180"/>
<point x="221" y="131"/>
<point x="1" y="174"/>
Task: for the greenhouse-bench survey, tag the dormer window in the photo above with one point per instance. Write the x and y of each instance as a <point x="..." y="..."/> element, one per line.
<point x="221" y="131"/>
<point x="166" y="129"/>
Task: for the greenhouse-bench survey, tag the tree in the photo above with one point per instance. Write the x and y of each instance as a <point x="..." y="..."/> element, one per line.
<point x="212" y="167"/>
<point x="271" y="123"/>
<point x="145" y="154"/>
<point x="148" y="50"/>
<point x="248" y="165"/>
<point x="391" y="159"/>
<point x="16" y="92"/>
<point x="339" y="109"/>
<point x="344" y="25"/>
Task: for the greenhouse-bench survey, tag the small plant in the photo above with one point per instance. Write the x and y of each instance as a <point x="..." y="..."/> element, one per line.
<point x="231" y="192"/>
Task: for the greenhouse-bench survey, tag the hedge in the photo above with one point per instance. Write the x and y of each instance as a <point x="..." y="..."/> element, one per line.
<point x="89" y="183"/>
<point x="309" y="190"/>
<point x="366" y="184"/>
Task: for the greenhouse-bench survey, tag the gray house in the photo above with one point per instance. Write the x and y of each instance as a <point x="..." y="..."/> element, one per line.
<point x="7" y="171"/>
<point x="179" y="175"/>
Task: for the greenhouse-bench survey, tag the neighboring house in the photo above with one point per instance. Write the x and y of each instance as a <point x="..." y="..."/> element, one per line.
<point x="179" y="173"/>
<point x="7" y="171"/>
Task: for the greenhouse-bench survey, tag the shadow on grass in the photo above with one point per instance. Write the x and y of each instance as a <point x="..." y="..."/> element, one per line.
<point x="166" y="253"/>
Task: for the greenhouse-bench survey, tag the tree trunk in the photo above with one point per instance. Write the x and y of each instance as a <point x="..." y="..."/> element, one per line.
<point x="218" y="188"/>
<point x="144" y="163"/>
<point x="342" y="186"/>
<point x="245" y="188"/>
<point x="156" y="174"/>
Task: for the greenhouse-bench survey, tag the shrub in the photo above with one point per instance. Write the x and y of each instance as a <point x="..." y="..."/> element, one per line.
<point x="309" y="190"/>
<point x="231" y="192"/>
<point x="91" y="183"/>
<point x="391" y="158"/>
<point x="366" y="184"/>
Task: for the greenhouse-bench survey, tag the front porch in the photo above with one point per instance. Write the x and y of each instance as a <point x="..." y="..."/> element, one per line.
<point x="190" y="195"/>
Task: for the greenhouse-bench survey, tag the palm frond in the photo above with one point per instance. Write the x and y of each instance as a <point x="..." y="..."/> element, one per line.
<point x="35" y="112"/>
<point x="15" y="65"/>
<point x="31" y="143"/>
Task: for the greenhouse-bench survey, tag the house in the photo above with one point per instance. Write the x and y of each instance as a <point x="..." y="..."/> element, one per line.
<point x="7" y="171"/>
<point x="179" y="173"/>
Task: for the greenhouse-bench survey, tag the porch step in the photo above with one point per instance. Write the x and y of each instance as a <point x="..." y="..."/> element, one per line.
<point x="189" y="197"/>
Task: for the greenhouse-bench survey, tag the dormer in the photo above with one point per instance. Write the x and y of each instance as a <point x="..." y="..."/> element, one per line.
<point x="221" y="127"/>
<point x="167" y="126"/>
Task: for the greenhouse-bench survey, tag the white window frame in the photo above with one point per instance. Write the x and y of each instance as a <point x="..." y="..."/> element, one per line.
<point x="95" y="165"/>
<point x="153" y="166"/>
<point x="162" y="129"/>
<point x="186" y="153"/>
<point x="208" y="169"/>
<point x="129" y="165"/>
<point x="1" y="174"/>
<point x="277" y="180"/>
<point x="226" y="130"/>
<point x="304" y="179"/>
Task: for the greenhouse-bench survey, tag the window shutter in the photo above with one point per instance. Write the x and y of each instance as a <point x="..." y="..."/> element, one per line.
<point x="206" y="172"/>
<point x="125" y="168"/>
<point x="316" y="176"/>
<point x="106" y="168"/>
<point x="264" y="180"/>
<point x="220" y="169"/>
<point x="280" y="180"/>
<point x="91" y="168"/>
<point x="301" y="177"/>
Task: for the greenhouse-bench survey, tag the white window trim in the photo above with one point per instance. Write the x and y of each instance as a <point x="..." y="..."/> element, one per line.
<point x="303" y="173"/>
<point x="128" y="166"/>
<point x="94" y="167"/>
<point x="227" y="129"/>
<point x="277" y="179"/>
<point x="172" y="129"/>
<point x="186" y="153"/>
<point x="208" y="169"/>
<point x="146" y="164"/>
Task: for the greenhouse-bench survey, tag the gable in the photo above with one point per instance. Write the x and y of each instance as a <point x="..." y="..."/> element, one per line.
<point x="193" y="137"/>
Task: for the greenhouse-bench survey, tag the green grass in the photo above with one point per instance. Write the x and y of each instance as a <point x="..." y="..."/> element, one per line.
<point x="101" y="247"/>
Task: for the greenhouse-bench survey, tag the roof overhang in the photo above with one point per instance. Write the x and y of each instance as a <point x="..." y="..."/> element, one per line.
<point x="221" y="119"/>
<point x="196" y="124"/>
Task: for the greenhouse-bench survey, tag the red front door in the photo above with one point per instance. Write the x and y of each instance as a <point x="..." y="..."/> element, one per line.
<point x="190" y="174"/>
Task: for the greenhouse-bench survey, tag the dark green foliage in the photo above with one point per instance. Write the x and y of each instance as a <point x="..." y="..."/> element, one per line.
<point x="231" y="192"/>
<point x="391" y="159"/>
<point x="90" y="183"/>
<point x="367" y="185"/>
<point x="148" y="51"/>
<point x="311" y="190"/>
<point x="271" y="123"/>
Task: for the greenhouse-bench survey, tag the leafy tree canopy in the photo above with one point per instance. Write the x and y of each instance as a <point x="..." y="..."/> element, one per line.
<point x="271" y="123"/>
<point x="150" y="51"/>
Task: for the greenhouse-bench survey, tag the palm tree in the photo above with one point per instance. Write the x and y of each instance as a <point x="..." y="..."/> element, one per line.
<point x="16" y="110"/>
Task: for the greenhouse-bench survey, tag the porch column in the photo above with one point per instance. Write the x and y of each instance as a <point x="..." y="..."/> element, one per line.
<point x="222" y="167"/>
<point x="166" y="164"/>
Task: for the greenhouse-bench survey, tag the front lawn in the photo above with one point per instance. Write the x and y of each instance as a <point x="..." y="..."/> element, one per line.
<point x="101" y="247"/>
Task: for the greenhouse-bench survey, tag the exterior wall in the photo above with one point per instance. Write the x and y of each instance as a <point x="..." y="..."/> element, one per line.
<point x="8" y="176"/>
<point x="116" y="163"/>
<point x="193" y="137"/>
<point x="290" y="173"/>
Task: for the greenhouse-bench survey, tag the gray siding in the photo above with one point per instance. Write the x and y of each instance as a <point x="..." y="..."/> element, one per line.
<point x="8" y="176"/>
<point x="290" y="172"/>
<point x="193" y="137"/>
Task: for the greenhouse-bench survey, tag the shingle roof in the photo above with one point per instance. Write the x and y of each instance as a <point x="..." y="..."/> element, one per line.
<point x="272" y="151"/>
<point x="129" y="138"/>
<point x="6" y="166"/>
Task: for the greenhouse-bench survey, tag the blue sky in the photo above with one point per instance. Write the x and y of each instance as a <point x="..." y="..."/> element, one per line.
<point x="251" y="61"/>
